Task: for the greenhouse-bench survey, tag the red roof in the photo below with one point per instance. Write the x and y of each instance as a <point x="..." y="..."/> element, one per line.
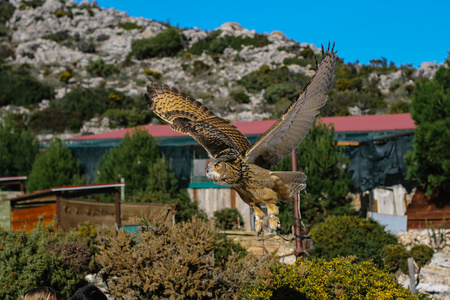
<point x="341" y="124"/>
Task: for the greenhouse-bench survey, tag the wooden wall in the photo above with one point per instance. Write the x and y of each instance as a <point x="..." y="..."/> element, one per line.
<point x="30" y="216"/>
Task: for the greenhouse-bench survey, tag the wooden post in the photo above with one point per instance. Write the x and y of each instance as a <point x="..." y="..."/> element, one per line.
<point x="117" y="207"/>
<point x="412" y="278"/>
<point x="297" y="223"/>
<point x="58" y="210"/>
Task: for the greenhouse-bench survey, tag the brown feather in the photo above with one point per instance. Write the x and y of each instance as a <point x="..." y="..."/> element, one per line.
<point x="189" y="116"/>
<point x="288" y="132"/>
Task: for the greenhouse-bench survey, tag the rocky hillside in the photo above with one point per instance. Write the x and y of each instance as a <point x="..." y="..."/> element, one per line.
<point x="69" y="68"/>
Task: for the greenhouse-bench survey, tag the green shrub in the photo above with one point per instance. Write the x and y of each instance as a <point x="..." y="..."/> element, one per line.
<point x="266" y="77"/>
<point x="129" y="117"/>
<point x="318" y="279"/>
<point x="55" y="120"/>
<point x="199" y="67"/>
<point x="59" y="13"/>
<point x="240" y="96"/>
<point x="422" y="254"/>
<point x="65" y="76"/>
<point x="276" y="92"/>
<point x="90" y="102"/>
<point x="400" y="107"/>
<point x="42" y="257"/>
<point x="228" y="218"/>
<point x="350" y="235"/>
<point x="215" y="45"/>
<point x="167" y="43"/>
<point x="22" y="90"/>
<point x="129" y="26"/>
<point x="152" y="73"/>
<point x="395" y="258"/>
<point x="100" y="68"/>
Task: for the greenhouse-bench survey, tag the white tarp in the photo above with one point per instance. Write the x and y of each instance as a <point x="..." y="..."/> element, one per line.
<point x="390" y="200"/>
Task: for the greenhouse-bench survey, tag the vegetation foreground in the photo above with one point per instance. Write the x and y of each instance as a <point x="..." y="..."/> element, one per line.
<point x="190" y="260"/>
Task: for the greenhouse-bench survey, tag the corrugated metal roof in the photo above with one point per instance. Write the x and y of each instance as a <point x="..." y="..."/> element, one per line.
<point x="341" y="124"/>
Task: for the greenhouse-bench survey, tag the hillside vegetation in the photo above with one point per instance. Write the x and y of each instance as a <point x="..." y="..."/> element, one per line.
<point x="77" y="69"/>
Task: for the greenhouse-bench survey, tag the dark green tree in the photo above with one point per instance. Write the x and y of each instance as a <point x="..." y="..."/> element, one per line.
<point x="18" y="149"/>
<point x="56" y="166"/>
<point x="148" y="175"/>
<point x="327" y="184"/>
<point x="429" y="163"/>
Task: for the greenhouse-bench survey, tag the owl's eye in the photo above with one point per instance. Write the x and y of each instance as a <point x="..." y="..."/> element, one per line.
<point x="218" y="166"/>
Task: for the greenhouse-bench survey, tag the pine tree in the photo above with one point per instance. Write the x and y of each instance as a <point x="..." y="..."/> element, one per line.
<point x="327" y="183"/>
<point x="429" y="163"/>
<point x="56" y="166"/>
<point x="18" y="149"/>
<point x="148" y="175"/>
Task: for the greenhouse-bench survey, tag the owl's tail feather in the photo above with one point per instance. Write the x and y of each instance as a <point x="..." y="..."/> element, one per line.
<point x="295" y="181"/>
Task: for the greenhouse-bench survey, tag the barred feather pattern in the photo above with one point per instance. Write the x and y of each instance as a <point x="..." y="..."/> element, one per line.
<point x="188" y="116"/>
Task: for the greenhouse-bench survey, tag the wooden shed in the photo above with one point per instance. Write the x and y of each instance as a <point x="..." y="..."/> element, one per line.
<point x="70" y="209"/>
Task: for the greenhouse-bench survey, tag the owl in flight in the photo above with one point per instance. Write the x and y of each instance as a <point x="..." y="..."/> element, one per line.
<point x="238" y="164"/>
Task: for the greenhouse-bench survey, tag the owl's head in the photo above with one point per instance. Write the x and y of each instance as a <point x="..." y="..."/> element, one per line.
<point x="218" y="171"/>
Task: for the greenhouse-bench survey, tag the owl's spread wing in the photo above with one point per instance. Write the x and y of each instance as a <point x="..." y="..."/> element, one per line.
<point x="288" y="132"/>
<point x="188" y="116"/>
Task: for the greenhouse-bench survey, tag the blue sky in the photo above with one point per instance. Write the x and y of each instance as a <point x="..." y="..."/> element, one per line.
<point x="401" y="31"/>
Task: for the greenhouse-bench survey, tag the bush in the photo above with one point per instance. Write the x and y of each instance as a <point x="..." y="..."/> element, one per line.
<point x="55" y="120"/>
<point x="22" y="90"/>
<point x="280" y="91"/>
<point x="65" y="76"/>
<point x="395" y="258"/>
<point x="129" y="117"/>
<point x="265" y="77"/>
<point x="199" y="68"/>
<point x="350" y="235"/>
<point x="240" y="97"/>
<point x="167" y="43"/>
<point x="129" y="26"/>
<point x="90" y="102"/>
<point x="215" y="45"/>
<point x="228" y="218"/>
<point x="154" y="74"/>
<point x="42" y="257"/>
<point x="173" y="263"/>
<point x="340" y="278"/>
<point x="422" y="254"/>
<point x="54" y="167"/>
<point x="100" y="68"/>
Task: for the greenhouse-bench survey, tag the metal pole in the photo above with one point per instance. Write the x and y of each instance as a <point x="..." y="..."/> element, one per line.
<point x="297" y="225"/>
<point x="117" y="207"/>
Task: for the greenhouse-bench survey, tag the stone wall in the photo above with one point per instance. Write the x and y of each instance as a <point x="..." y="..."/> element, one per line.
<point x="422" y="237"/>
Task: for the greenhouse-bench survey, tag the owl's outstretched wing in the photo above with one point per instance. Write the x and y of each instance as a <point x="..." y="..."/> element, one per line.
<point x="288" y="132"/>
<point x="188" y="116"/>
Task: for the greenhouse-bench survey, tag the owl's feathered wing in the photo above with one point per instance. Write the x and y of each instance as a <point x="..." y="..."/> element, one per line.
<point x="288" y="132"/>
<point x="188" y="116"/>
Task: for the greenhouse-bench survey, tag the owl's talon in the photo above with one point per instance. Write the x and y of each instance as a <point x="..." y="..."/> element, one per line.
<point x="274" y="223"/>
